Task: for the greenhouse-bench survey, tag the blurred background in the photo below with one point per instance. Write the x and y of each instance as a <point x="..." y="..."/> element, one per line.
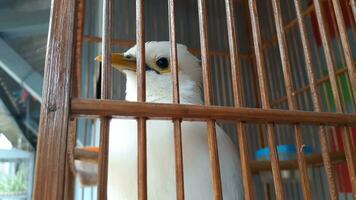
<point x="23" y="37"/>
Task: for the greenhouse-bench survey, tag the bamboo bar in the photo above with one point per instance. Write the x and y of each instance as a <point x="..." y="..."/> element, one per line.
<point x="212" y="141"/>
<point x="265" y="99"/>
<point x="238" y="100"/>
<point x="141" y="97"/>
<point x="336" y="94"/>
<point x="176" y="122"/>
<point x="291" y="101"/>
<point x="316" y="102"/>
<point x="106" y="90"/>
<point x="346" y="49"/>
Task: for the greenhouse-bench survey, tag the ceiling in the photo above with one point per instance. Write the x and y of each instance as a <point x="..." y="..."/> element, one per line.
<point x="23" y="38"/>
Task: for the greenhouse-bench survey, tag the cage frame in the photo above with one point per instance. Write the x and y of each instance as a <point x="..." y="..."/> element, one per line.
<point x="61" y="105"/>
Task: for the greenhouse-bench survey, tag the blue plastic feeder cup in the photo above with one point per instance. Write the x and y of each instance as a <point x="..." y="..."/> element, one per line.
<point x="285" y="152"/>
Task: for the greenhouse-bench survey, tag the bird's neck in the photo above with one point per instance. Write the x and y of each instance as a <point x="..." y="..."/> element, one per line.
<point x="159" y="89"/>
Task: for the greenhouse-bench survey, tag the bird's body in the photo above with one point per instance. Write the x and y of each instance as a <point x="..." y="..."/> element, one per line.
<point x="122" y="171"/>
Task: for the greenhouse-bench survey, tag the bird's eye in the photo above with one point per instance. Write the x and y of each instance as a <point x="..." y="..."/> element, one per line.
<point x="162" y="63"/>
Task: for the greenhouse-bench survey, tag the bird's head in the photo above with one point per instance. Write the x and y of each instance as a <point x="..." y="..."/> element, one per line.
<point x="158" y="68"/>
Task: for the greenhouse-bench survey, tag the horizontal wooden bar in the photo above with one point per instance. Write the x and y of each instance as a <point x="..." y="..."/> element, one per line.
<point x="196" y="52"/>
<point x="305" y="88"/>
<point x="86" y="155"/>
<point x="98" y="107"/>
<point x="314" y="160"/>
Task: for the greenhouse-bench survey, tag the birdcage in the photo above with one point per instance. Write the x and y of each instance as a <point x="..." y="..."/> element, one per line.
<point x="278" y="76"/>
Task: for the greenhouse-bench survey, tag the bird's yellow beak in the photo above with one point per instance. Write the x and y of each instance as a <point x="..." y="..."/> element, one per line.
<point x="119" y="62"/>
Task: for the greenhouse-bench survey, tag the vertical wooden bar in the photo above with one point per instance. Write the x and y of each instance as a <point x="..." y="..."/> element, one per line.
<point x="255" y="87"/>
<point x="76" y="91"/>
<point x="316" y="102"/>
<point x="141" y="97"/>
<point x="52" y="132"/>
<point x="345" y="46"/>
<point x="72" y="128"/>
<point x="238" y="100"/>
<point x="333" y="80"/>
<point x="106" y="93"/>
<point x="265" y="99"/>
<point x="212" y="142"/>
<point x="70" y="168"/>
<point x="176" y="122"/>
<point x="353" y="7"/>
<point x="290" y="99"/>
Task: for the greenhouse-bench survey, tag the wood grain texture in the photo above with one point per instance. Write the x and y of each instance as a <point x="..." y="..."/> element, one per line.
<point x="313" y="160"/>
<point x="201" y="113"/>
<point x="315" y="99"/>
<point x="106" y="93"/>
<point x="346" y="50"/>
<point x="176" y="122"/>
<point x="212" y="143"/>
<point x="289" y="88"/>
<point x="238" y="100"/>
<point x="52" y="132"/>
<point x="76" y="83"/>
<point x="141" y="97"/>
<point x="304" y="89"/>
<point x="70" y="168"/>
<point x="336" y="93"/>
<point x="265" y="98"/>
<point x="103" y="158"/>
<point x="353" y="6"/>
<point x="194" y="51"/>
<point x="142" y="158"/>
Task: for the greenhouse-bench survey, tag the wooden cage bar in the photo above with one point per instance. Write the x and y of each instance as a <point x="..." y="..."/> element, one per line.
<point x="353" y="6"/>
<point x="238" y="101"/>
<point x="315" y="160"/>
<point x="346" y="48"/>
<point x="212" y="141"/>
<point x="336" y="93"/>
<point x="316" y="101"/>
<point x="75" y="93"/>
<point x="86" y="107"/>
<point x="265" y="99"/>
<point x="141" y="97"/>
<point x="290" y="98"/>
<point x="62" y="104"/>
<point x="49" y="182"/>
<point x="106" y="93"/>
<point x="69" y="190"/>
<point x="176" y="122"/>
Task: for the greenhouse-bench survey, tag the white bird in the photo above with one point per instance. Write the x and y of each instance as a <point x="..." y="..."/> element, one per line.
<point x="122" y="170"/>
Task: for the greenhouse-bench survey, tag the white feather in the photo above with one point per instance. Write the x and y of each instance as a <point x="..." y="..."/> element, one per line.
<point x="122" y="178"/>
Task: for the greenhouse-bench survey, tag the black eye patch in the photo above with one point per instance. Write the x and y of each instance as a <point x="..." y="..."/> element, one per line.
<point x="162" y="63"/>
<point x="130" y="57"/>
<point x="148" y="68"/>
